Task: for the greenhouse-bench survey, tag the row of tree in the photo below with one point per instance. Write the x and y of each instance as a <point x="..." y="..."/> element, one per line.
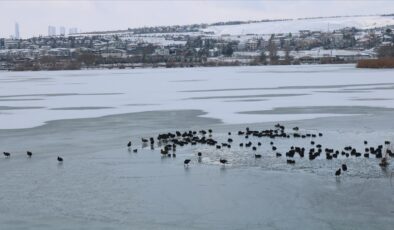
<point x="386" y="51"/>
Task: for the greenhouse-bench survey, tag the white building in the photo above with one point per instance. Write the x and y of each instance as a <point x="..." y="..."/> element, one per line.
<point x="62" y="31"/>
<point x="51" y="31"/>
<point x="11" y="43"/>
<point x="162" y="51"/>
<point x="16" y="30"/>
<point x="72" y="30"/>
<point x="113" y="53"/>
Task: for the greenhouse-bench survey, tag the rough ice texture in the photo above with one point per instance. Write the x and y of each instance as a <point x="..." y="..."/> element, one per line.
<point x="102" y="185"/>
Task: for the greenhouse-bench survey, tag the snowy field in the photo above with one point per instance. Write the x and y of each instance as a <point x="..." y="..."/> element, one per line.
<point x="87" y="117"/>
<point x="243" y="32"/>
<point x="294" y="26"/>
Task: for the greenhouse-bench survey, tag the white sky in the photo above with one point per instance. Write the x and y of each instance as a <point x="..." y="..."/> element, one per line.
<point x="89" y="15"/>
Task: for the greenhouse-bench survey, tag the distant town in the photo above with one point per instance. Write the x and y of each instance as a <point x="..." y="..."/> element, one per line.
<point x="193" y="46"/>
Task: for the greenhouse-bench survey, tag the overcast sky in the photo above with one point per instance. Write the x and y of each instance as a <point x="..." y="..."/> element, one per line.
<point x="89" y="15"/>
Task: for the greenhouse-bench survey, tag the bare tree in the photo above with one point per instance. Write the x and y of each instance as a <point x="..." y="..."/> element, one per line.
<point x="273" y="51"/>
<point x="287" y="54"/>
<point x="386" y="51"/>
<point x="263" y="58"/>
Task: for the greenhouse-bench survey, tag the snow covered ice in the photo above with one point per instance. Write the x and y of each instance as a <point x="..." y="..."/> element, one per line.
<point x="223" y="93"/>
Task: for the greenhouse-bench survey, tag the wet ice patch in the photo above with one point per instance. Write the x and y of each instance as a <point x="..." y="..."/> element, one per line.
<point x="323" y="109"/>
<point x="19" y="108"/>
<point x="81" y="108"/>
<point x="246" y="96"/>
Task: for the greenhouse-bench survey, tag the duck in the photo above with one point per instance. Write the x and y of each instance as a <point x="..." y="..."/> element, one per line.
<point x="186" y="162"/>
<point x="338" y="172"/>
<point x="290" y="161"/>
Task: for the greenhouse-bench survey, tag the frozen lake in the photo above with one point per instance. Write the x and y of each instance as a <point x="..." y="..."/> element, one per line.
<point x="30" y="99"/>
<point x="87" y="117"/>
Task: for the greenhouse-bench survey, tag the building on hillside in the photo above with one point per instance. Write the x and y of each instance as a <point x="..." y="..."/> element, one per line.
<point x="162" y="51"/>
<point x="11" y="43"/>
<point x="113" y="53"/>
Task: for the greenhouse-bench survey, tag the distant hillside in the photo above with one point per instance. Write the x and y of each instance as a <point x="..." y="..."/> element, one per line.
<point x="267" y="26"/>
<point x="295" y="25"/>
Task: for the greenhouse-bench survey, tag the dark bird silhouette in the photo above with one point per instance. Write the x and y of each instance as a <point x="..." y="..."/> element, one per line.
<point x="223" y="161"/>
<point x="59" y="159"/>
<point x="7" y="154"/>
<point x="29" y="154"/>
<point x="163" y="152"/>
<point x="384" y="163"/>
<point x="291" y="162"/>
<point x="129" y="144"/>
<point x="186" y="162"/>
<point x="257" y="155"/>
<point x="344" y="167"/>
<point x="135" y="150"/>
<point x="199" y="154"/>
<point x="273" y="148"/>
<point x="338" y="172"/>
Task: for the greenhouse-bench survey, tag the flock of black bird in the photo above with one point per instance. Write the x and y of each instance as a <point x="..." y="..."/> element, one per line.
<point x="169" y="142"/>
<point x="29" y="155"/>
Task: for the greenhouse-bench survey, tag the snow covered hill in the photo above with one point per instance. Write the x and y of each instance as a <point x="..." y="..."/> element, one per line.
<point x="294" y="26"/>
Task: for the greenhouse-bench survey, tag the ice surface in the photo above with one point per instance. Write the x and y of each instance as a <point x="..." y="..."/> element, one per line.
<point x="87" y="117"/>
<point x="33" y="98"/>
<point x="102" y="185"/>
